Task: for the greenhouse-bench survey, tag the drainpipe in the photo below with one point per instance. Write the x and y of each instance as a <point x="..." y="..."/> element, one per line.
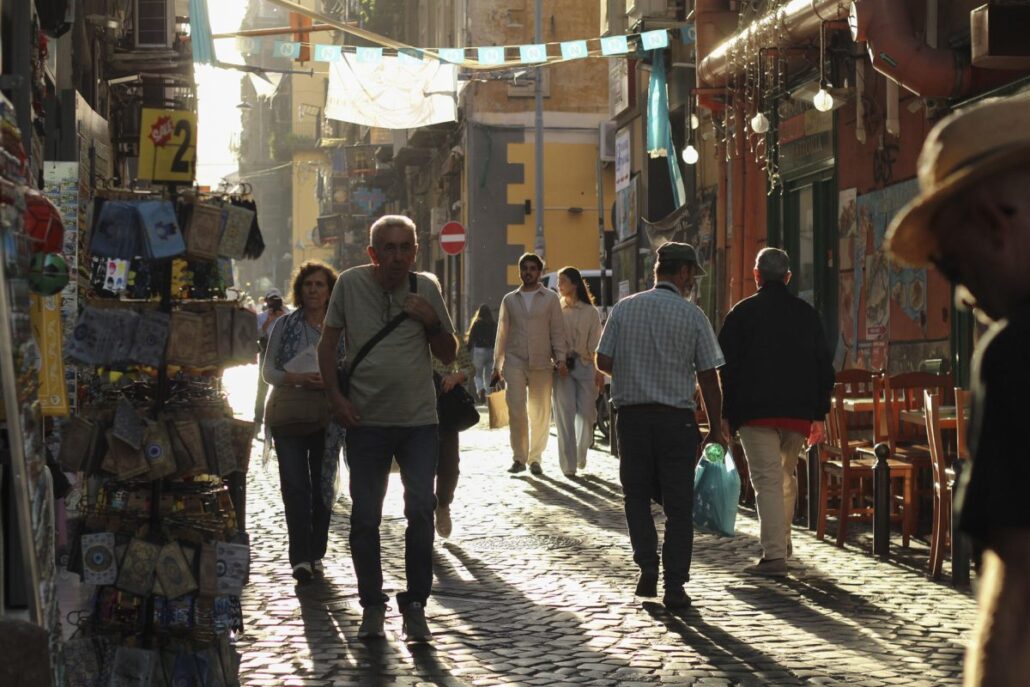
<point x="799" y="19"/>
<point x="897" y="53"/>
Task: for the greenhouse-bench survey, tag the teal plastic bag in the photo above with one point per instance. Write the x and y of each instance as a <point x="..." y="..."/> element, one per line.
<point x="716" y="492"/>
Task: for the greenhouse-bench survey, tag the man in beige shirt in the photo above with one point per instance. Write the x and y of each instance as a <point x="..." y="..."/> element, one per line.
<point x="530" y="345"/>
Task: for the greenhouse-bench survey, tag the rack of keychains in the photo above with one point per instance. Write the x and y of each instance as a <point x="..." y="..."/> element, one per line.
<point x="160" y="530"/>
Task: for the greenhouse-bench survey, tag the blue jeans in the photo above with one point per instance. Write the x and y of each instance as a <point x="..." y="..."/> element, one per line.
<point x="300" y="480"/>
<point x="658" y="451"/>
<point x="369" y="454"/>
<point x="483" y="361"/>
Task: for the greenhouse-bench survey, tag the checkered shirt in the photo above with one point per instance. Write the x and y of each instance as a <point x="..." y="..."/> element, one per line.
<point x="658" y="342"/>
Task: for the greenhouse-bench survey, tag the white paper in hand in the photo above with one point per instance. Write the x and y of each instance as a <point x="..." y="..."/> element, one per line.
<point x="305" y="362"/>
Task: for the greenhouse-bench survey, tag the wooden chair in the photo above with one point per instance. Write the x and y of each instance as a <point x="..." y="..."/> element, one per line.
<point x="844" y="473"/>
<point x="904" y="392"/>
<point x="943" y="473"/>
<point x="850" y="383"/>
<point x="963" y="402"/>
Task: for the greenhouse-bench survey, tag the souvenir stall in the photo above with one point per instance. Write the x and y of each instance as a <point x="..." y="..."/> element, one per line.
<point x="159" y="537"/>
<point x="31" y="235"/>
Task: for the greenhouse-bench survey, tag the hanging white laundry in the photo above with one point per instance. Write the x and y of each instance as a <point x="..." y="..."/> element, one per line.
<point x="391" y="94"/>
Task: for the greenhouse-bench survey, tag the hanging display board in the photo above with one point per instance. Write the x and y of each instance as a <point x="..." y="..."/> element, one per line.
<point x="167" y="145"/>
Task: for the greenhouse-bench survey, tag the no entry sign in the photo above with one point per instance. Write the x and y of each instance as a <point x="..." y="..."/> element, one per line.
<point x="452" y="238"/>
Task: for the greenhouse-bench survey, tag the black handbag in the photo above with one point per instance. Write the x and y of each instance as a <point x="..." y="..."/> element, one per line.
<point x="455" y="409"/>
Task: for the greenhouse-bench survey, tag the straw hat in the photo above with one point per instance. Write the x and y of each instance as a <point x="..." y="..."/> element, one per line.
<point x="966" y="147"/>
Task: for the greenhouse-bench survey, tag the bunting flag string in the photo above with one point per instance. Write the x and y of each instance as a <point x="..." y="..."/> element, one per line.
<point x="494" y="56"/>
<point x="473" y="58"/>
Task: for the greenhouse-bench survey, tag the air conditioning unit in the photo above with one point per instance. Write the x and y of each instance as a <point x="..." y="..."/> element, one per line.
<point x="606" y="144"/>
<point x="154" y="25"/>
<point x="638" y="10"/>
<point x="613" y="17"/>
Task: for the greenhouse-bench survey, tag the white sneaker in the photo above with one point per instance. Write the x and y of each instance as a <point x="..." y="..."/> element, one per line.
<point x="372" y="618"/>
<point x="318" y="567"/>
<point x="443" y="521"/>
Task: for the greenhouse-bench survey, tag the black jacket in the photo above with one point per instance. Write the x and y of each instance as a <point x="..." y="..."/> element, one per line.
<point x="778" y="363"/>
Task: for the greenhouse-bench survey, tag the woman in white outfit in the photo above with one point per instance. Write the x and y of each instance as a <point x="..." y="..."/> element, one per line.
<point x="575" y="396"/>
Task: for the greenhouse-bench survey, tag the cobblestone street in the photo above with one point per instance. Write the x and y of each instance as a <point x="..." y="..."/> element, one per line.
<point x="535" y="587"/>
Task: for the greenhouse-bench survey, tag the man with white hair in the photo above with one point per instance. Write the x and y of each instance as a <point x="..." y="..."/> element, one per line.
<point x="394" y="321"/>
<point x="971" y="220"/>
<point x="776" y="386"/>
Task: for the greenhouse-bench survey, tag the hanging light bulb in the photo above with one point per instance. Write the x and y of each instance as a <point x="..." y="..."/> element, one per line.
<point x="690" y="154"/>
<point x="694" y="121"/>
<point x="760" y="123"/>
<point x="822" y="100"/>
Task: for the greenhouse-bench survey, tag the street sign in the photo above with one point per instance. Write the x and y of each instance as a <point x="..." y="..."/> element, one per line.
<point x="452" y="238"/>
<point x="167" y="145"/>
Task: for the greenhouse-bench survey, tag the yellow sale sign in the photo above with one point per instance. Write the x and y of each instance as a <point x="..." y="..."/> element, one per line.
<point x="167" y="145"/>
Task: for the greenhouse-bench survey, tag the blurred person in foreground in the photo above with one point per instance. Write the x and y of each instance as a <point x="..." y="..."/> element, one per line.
<point x="971" y="220"/>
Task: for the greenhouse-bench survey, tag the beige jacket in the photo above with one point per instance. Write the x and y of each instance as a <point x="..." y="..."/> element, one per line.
<point x="533" y="339"/>
<point x="582" y="329"/>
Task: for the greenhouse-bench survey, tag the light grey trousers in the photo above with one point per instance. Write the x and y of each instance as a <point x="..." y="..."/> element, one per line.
<point x="575" y="410"/>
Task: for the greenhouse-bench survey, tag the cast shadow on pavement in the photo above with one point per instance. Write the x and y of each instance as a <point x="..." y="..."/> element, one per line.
<point x="722" y="649"/>
<point x="602" y="486"/>
<point x="780" y="597"/>
<point x="331" y="620"/>
<point x="603" y="514"/>
<point x="508" y="630"/>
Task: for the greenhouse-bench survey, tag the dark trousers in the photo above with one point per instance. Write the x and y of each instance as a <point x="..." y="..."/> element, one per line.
<point x="447" y="468"/>
<point x="300" y="480"/>
<point x="370" y="451"/>
<point x="657" y="455"/>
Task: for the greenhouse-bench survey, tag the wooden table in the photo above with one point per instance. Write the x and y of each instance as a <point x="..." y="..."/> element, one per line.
<point x="856" y="405"/>
<point x="949" y="417"/>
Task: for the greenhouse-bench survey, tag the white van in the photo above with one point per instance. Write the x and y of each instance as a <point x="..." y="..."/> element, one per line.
<point x="593" y="277"/>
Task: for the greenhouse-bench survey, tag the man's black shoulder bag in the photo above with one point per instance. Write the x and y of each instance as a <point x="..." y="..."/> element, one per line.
<point x="344" y="374"/>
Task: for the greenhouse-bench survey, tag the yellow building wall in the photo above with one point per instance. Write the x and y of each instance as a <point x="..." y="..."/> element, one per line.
<point x="306" y="165"/>
<point x="570" y="181"/>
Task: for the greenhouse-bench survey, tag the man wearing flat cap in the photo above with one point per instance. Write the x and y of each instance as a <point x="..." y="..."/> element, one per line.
<point x="971" y="220"/>
<point x="654" y="345"/>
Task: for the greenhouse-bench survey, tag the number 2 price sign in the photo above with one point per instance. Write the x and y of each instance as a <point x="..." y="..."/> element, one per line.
<point x="167" y="145"/>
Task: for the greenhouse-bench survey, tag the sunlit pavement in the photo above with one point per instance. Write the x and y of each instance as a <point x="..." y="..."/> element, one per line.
<point x="535" y="587"/>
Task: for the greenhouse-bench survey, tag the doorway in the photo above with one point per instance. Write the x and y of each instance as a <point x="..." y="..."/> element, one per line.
<point x="809" y="235"/>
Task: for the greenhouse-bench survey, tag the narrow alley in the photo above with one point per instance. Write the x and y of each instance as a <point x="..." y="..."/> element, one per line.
<point x="535" y="587"/>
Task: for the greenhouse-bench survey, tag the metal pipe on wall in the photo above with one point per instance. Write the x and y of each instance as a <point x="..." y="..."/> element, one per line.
<point x="539" y="135"/>
<point x="799" y="19"/>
